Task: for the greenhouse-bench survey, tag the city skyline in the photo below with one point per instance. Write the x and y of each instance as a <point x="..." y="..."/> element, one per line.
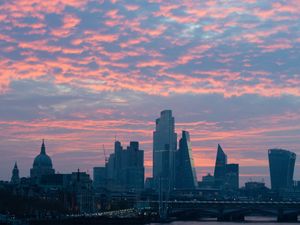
<point x="78" y="73"/>
<point x="165" y="124"/>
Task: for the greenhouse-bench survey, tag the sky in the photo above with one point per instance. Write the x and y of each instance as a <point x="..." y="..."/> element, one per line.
<point x="79" y="73"/>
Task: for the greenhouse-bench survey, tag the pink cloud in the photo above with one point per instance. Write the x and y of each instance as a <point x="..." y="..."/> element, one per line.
<point x="93" y="37"/>
<point x="132" y="7"/>
<point x="135" y="41"/>
<point x="278" y="45"/>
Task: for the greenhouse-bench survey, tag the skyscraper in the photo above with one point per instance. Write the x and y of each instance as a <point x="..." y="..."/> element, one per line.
<point x="119" y="162"/>
<point x="164" y="148"/>
<point x="220" y="167"/>
<point x="113" y="167"/>
<point x="281" y="164"/>
<point x="185" y="168"/>
<point x="133" y="171"/>
<point x="125" y="168"/>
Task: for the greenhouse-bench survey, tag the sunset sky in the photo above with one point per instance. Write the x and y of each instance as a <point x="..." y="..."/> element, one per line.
<point x="78" y="73"/>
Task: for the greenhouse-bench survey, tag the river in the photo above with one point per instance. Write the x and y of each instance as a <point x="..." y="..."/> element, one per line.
<point x="248" y="220"/>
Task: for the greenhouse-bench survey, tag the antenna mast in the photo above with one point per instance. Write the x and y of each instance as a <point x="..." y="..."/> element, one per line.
<point x="104" y="153"/>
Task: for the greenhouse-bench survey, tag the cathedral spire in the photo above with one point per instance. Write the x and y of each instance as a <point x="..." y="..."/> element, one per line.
<point x="43" y="148"/>
<point x="15" y="179"/>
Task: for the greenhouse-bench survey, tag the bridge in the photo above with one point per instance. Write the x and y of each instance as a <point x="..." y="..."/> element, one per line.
<point x="227" y="210"/>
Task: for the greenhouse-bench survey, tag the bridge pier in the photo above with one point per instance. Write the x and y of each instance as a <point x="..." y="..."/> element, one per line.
<point x="287" y="217"/>
<point x="231" y="218"/>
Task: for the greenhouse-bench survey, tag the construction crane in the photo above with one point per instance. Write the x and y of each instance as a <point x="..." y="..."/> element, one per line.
<point x="104" y="153"/>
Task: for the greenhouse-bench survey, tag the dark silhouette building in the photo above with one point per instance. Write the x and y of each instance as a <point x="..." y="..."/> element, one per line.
<point x="42" y="164"/>
<point x="256" y="191"/>
<point x="281" y="165"/>
<point x="226" y="176"/>
<point x="164" y="148"/>
<point x="254" y="185"/>
<point x="149" y="184"/>
<point x="82" y="194"/>
<point x="208" y="181"/>
<point x="185" y="168"/>
<point x="232" y="176"/>
<point x="220" y="167"/>
<point x="99" y="177"/>
<point x="124" y="169"/>
<point x="119" y="163"/>
<point x="133" y="172"/>
<point x="15" y="178"/>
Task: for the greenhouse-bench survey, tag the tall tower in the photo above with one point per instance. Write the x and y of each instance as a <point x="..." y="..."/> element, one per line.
<point x="118" y="163"/>
<point x="164" y="148"/>
<point x="220" y="167"/>
<point x="282" y="164"/>
<point x="15" y="178"/>
<point x="185" y="168"/>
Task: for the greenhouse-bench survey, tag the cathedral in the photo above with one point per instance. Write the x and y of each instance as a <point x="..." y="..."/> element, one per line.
<point x="42" y="164"/>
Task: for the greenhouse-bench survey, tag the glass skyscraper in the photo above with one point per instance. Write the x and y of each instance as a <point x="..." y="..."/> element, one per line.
<point x="220" y="167"/>
<point x="164" y="148"/>
<point x="185" y="168"/>
<point x="281" y="164"/>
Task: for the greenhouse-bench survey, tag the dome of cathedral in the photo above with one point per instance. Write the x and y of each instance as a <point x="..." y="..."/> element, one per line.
<point x="42" y="160"/>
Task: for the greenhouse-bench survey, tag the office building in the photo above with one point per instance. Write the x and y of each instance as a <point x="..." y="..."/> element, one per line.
<point x="220" y="167"/>
<point x="164" y="148"/>
<point x="232" y="176"/>
<point x="185" y="168"/>
<point x="99" y="177"/>
<point x="125" y="168"/>
<point x="133" y="169"/>
<point x="281" y="165"/>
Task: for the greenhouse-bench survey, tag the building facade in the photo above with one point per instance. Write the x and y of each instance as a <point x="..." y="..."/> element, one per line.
<point x="124" y="170"/>
<point x="220" y="167"/>
<point x="185" y="169"/>
<point x="82" y="192"/>
<point x="281" y="165"/>
<point x="164" y="148"/>
<point x="133" y="170"/>
<point x="99" y="177"/>
<point x="232" y="176"/>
